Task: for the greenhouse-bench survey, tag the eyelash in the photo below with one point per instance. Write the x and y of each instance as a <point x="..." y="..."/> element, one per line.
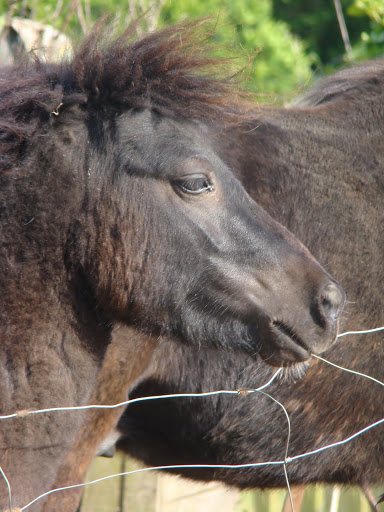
<point x="195" y="184"/>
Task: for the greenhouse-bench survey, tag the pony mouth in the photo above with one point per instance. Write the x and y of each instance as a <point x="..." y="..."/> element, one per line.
<point x="289" y="342"/>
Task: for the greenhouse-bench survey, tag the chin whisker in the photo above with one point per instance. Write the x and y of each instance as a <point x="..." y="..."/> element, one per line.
<point x="294" y="371"/>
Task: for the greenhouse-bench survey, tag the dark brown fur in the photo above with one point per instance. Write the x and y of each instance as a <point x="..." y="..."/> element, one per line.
<point x="100" y="209"/>
<point x="128" y="345"/>
<point x="292" y="160"/>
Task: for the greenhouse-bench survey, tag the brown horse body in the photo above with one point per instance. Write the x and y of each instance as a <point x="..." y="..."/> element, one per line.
<point x="292" y="161"/>
<point x="317" y="167"/>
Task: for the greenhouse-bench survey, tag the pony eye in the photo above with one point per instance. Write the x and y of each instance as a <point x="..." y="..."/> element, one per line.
<point x="194" y="184"/>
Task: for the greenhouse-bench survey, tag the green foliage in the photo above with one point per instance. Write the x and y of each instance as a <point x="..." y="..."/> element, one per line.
<point x="316" y="23"/>
<point x="374" y="9"/>
<point x="76" y="17"/>
<point x="244" y="28"/>
<point x="372" y="39"/>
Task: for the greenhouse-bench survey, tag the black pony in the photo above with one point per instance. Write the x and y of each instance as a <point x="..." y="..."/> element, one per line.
<point x="115" y="207"/>
<point x="317" y="166"/>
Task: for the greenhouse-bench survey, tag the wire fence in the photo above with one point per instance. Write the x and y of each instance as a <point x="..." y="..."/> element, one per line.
<point x="242" y="392"/>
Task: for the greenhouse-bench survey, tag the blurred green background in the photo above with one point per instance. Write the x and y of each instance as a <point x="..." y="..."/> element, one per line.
<point x="295" y="40"/>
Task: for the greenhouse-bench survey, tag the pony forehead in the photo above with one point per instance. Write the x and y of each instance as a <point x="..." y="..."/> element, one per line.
<point x="163" y="145"/>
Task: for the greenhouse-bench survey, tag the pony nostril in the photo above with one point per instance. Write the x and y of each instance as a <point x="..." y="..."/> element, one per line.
<point x="332" y="300"/>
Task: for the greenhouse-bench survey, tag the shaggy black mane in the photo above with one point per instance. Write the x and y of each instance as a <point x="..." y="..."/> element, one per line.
<point x="167" y="70"/>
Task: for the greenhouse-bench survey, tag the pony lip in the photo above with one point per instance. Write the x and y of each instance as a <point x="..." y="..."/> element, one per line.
<point x="289" y="345"/>
<point x="287" y="331"/>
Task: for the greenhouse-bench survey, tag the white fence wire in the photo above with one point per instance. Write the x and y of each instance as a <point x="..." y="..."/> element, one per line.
<point x="242" y="392"/>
